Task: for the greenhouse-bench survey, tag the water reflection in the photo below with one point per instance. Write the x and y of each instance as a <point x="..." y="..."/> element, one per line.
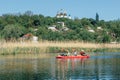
<point x="105" y="66"/>
<point x="97" y="67"/>
<point x="69" y="68"/>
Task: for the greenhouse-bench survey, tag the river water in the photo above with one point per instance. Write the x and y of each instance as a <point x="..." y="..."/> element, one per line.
<point x="100" y="66"/>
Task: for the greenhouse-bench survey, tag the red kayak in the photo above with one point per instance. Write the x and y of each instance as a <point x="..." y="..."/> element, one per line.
<point x="78" y="56"/>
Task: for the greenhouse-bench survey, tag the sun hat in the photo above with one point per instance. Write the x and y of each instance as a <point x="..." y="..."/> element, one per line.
<point x="82" y="50"/>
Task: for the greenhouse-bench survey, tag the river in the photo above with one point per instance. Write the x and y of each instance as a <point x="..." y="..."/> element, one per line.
<point x="100" y="66"/>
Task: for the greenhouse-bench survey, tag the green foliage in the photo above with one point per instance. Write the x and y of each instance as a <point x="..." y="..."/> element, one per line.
<point x="85" y="22"/>
<point x="15" y="26"/>
<point x="97" y="17"/>
<point x="106" y="38"/>
<point x="12" y="31"/>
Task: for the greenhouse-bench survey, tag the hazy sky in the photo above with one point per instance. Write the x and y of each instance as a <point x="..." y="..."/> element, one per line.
<point x="107" y="9"/>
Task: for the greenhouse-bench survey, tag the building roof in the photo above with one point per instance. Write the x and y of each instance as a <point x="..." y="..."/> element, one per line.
<point x="62" y="14"/>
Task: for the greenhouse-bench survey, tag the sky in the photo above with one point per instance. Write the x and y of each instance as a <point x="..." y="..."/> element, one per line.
<point x="107" y="9"/>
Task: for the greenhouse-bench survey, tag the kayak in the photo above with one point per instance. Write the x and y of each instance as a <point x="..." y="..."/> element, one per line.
<point x="78" y="56"/>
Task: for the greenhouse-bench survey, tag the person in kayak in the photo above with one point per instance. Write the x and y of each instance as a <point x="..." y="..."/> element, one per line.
<point x="82" y="53"/>
<point x="64" y="52"/>
<point x="74" y="52"/>
<point x="68" y="53"/>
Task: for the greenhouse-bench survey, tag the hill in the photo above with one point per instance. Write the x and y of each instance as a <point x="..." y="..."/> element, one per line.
<point x="16" y="26"/>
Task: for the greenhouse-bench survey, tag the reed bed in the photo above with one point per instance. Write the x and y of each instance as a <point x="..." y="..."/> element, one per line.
<point x="58" y="44"/>
<point x="7" y="48"/>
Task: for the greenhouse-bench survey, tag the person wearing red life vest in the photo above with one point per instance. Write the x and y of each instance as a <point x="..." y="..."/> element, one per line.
<point x="82" y="53"/>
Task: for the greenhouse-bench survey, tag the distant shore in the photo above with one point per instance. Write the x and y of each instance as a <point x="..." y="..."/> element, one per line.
<point x="7" y="48"/>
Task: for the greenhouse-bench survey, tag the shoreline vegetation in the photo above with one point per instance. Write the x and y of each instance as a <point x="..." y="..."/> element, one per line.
<point x="13" y="48"/>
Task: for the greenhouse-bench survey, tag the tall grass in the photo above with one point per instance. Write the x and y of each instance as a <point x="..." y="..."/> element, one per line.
<point x="7" y="48"/>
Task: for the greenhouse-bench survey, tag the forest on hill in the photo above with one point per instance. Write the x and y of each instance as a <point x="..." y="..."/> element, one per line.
<point x="15" y="26"/>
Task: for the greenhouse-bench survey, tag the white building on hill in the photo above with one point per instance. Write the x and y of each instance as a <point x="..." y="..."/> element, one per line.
<point x="62" y="14"/>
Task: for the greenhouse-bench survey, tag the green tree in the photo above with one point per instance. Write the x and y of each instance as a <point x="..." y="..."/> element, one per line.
<point x="85" y="21"/>
<point x="106" y="38"/>
<point x="13" y="31"/>
<point x="48" y="21"/>
<point x="97" y="17"/>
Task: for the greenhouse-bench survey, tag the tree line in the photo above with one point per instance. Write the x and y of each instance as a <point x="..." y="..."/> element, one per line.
<point x="14" y="26"/>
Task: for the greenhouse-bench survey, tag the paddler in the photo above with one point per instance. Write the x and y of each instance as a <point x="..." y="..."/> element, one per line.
<point x="64" y="52"/>
<point x="82" y="53"/>
<point x="74" y="51"/>
<point x="68" y="53"/>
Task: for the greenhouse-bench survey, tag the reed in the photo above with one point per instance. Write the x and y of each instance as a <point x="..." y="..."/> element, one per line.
<point x="7" y="48"/>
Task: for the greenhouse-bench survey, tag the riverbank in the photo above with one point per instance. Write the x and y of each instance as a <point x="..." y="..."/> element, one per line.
<point x="7" y="48"/>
